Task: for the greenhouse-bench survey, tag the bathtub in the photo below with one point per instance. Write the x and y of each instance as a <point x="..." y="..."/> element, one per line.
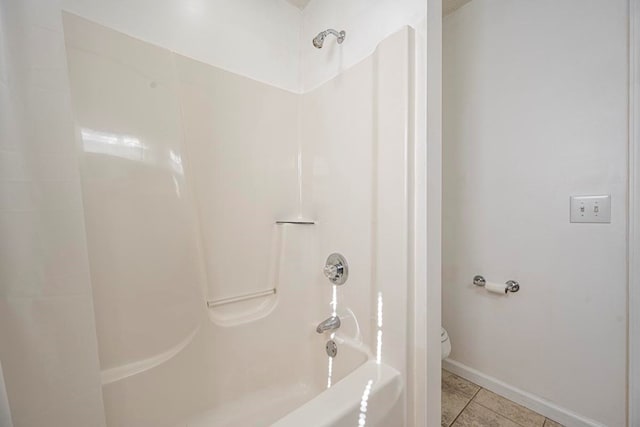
<point x="270" y="371"/>
<point x="372" y="395"/>
<point x="352" y="388"/>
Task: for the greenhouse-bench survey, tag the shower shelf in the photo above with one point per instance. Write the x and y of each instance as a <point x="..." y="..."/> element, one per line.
<point x="244" y="297"/>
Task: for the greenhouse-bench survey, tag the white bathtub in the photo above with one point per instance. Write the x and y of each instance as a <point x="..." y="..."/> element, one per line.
<point x="372" y="395"/>
<point x="313" y="403"/>
<point x="264" y="372"/>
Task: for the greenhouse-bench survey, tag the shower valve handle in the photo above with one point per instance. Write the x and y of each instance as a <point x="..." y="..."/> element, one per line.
<point x="336" y="269"/>
<point x="332" y="272"/>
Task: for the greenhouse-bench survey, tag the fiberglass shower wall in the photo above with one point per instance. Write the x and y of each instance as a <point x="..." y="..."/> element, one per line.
<point x="186" y="170"/>
<point x="48" y="347"/>
<point x="182" y="164"/>
<point x="158" y="244"/>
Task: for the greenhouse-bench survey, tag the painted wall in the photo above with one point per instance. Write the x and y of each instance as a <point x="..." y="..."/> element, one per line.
<point x="257" y="39"/>
<point x="535" y="110"/>
<point x="5" y="410"/>
<point x="428" y="217"/>
<point x="277" y="50"/>
<point x="48" y="343"/>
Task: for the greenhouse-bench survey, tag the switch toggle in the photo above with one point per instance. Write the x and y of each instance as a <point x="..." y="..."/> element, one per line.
<point x="590" y="209"/>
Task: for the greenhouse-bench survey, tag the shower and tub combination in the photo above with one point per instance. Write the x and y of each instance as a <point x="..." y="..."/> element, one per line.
<point x="249" y="246"/>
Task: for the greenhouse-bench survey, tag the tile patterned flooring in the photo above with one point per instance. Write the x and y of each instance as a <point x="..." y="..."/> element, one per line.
<point x="465" y="404"/>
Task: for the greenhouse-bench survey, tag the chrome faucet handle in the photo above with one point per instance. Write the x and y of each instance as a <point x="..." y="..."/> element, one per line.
<point x="336" y="269"/>
<point x="330" y="272"/>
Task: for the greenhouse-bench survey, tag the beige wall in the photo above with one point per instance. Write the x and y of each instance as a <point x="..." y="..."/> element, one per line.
<point x="259" y="39"/>
<point x="535" y="110"/>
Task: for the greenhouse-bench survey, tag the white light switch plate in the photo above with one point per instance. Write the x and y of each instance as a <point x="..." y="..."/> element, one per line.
<point x="591" y="209"/>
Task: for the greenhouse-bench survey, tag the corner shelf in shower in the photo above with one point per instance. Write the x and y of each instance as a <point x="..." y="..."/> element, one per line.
<point x="240" y="309"/>
<point x="298" y="221"/>
<point x="230" y="310"/>
<point x="238" y="298"/>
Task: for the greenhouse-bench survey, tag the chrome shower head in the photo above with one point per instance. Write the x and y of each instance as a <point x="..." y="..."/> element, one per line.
<point x="318" y="40"/>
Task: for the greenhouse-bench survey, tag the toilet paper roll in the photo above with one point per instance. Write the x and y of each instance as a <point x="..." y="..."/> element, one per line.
<point x="496" y="288"/>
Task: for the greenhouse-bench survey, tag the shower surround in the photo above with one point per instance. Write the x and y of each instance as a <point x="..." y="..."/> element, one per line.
<point x="185" y="170"/>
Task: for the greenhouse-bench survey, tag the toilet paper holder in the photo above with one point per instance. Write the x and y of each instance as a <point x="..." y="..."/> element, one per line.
<point x="510" y="285"/>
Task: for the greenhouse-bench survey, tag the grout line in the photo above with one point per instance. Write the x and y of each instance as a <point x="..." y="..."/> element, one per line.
<point x="502" y="416"/>
<point x="465" y="406"/>
<point x="491" y="410"/>
<point x="508" y="418"/>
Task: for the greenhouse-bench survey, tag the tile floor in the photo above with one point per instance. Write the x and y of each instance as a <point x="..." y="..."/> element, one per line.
<point x="465" y="404"/>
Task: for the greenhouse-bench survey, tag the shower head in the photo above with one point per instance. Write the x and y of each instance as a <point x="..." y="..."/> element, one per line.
<point x="318" y="40"/>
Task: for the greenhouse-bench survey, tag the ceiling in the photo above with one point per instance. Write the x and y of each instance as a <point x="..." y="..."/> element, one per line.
<point x="450" y="6"/>
<point x="300" y="4"/>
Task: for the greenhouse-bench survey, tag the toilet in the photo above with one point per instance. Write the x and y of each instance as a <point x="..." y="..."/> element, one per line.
<point x="445" y="344"/>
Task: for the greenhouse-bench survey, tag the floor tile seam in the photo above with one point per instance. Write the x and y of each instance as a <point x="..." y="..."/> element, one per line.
<point x="465" y="406"/>
<point x="465" y="396"/>
<point x="494" y="412"/>
<point x="460" y="394"/>
<point x="504" y="416"/>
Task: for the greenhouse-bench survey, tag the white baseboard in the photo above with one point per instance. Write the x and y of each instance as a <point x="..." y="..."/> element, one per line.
<point x="528" y="400"/>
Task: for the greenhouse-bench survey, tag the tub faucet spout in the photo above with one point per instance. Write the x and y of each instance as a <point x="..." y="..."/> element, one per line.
<point x="330" y="324"/>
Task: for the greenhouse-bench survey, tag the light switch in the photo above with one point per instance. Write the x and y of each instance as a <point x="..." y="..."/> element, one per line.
<point x="591" y="209"/>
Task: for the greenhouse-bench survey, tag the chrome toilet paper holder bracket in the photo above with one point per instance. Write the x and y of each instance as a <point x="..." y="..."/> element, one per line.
<point x="510" y="285"/>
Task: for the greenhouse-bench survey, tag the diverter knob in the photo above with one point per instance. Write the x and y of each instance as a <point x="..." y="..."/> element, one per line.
<point x="336" y="269"/>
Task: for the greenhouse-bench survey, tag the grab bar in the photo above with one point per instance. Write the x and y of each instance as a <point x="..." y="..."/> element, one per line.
<point x="229" y="300"/>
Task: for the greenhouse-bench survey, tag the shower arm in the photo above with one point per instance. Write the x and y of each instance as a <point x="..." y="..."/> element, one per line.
<point x="339" y="34"/>
<point x="318" y="40"/>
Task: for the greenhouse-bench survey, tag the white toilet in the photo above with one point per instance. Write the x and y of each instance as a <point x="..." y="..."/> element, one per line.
<point x="445" y="344"/>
